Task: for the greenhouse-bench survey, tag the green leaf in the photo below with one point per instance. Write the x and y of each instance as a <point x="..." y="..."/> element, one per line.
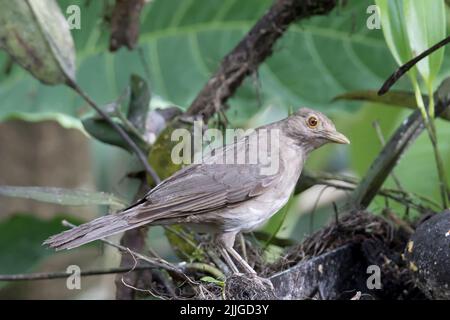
<point x="69" y="197"/>
<point x="426" y="25"/>
<point x="394" y="29"/>
<point x="21" y="238"/>
<point x="396" y="98"/>
<point x="139" y="106"/>
<point x="102" y="131"/>
<point x="184" y="44"/>
<point x="213" y="280"/>
<point x="393" y="98"/>
<point x="37" y="36"/>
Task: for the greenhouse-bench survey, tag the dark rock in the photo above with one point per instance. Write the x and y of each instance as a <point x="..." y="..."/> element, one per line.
<point x="328" y="276"/>
<point x="428" y="256"/>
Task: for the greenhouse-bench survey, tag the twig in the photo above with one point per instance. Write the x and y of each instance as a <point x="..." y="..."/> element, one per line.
<point x="309" y="179"/>
<point x="408" y="65"/>
<point x="62" y="274"/>
<point x="127" y="123"/>
<point x="142" y="158"/>
<point x="134" y="239"/>
<point x="400" y="222"/>
<point x="313" y="211"/>
<point x="205" y="268"/>
<point x="251" y="51"/>
<point x="155" y="262"/>
<point x="138" y="289"/>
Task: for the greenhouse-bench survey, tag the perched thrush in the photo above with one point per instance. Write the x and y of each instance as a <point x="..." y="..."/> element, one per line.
<point x="223" y="197"/>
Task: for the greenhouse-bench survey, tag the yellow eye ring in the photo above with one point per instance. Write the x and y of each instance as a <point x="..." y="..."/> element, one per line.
<point x="312" y="122"/>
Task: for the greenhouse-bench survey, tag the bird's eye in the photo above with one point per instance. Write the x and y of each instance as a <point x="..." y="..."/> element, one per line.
<point x="312" y="122"/>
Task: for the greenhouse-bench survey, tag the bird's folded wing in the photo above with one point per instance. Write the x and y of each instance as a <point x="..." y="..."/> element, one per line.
<point x="201" y="188"/>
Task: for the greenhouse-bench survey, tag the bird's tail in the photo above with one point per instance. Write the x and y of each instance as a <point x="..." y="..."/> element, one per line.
<point x="94" y="230"/>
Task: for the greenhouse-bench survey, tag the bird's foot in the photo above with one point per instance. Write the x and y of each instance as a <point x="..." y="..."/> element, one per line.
<point x="249" y="286"/>
<point x="264" y="282"/>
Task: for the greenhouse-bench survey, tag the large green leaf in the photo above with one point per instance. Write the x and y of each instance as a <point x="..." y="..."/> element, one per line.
<point x="425" y="25"/>
<point x="21" y="238"/>
<point x="394" y="29"/>
<point x="183" y="43"/>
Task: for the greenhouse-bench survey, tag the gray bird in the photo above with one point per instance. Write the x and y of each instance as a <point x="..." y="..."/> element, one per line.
<point x="223" y="197"/>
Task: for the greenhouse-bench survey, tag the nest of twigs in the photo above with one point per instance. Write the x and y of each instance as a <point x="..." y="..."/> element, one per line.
<point x="355" y="227"/>
<point x="381" y="242"/>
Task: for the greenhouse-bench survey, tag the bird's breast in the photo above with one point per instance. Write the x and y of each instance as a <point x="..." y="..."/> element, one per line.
<point x="253" y="213"/>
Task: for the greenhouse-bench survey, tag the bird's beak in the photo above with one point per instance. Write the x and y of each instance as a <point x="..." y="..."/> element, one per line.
<point x="337" y="137"/>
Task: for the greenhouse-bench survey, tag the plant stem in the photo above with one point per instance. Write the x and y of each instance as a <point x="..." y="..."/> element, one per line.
<point x="204" y="267"/>
<point x="130" y="126"/>
<point x="443" y="184"/>
<point x="428" y="119"/>
<point x="142" y="158"/>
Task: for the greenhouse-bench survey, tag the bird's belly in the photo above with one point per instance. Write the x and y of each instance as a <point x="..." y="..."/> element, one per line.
<point x="255" y="212"/>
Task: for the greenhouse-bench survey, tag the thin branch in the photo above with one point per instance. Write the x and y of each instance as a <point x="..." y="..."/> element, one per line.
<point x="206" y="268"/>
<point x="155" y="262"/>
<point x="251" y="51"/>
<point x="408" y="65"/>
<point x="62" y="274"/>
<point x="134" y="239"/>
<point x="142" y="158"/>
<point x="309" y="179"/>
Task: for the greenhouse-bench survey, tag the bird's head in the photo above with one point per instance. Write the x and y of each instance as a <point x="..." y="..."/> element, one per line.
<point x="312" y="129"/>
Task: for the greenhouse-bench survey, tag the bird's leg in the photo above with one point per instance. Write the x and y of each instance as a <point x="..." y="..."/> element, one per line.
<point x="226" y="242"/>
<point x="248" y="269"/>
<point x="241" y="260"/>
<point x="228" y="259"/>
